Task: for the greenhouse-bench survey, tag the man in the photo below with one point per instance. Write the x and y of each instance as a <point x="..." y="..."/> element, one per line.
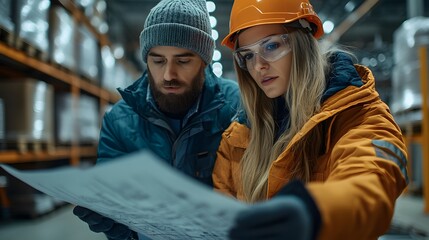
<point x="178" y="109"/>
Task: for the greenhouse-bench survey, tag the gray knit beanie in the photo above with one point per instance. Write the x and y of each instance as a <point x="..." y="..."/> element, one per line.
<point x="179" y="23"/>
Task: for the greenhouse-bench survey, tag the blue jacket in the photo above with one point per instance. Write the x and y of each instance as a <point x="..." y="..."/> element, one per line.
<point x="134" y="123"/>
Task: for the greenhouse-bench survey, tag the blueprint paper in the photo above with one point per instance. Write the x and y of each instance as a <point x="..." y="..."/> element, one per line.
<point x="142" y="192"/>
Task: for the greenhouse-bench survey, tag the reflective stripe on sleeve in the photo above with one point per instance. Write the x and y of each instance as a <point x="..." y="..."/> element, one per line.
<point x="388" y="151"/>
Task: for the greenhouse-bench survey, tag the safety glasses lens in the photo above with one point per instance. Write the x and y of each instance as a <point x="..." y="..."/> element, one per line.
<point x="270" y="49"/>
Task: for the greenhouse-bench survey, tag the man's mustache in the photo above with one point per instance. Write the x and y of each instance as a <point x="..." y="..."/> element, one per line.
<point x="171" y="83"/>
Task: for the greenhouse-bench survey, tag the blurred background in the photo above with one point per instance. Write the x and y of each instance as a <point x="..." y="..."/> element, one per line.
<point x="62" y="60"/>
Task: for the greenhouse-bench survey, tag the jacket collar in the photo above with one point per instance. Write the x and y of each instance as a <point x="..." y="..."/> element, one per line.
<point x="341" y="75"/>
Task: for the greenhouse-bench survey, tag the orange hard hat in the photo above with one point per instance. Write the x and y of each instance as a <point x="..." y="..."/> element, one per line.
<point x="249" y="13"/>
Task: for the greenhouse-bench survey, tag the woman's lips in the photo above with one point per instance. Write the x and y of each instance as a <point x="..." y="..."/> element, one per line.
<point x="268" y="80"/>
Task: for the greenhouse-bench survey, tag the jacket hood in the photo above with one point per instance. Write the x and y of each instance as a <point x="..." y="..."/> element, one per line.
<point x="353" y="93"/>
<point x="341" y="75"/>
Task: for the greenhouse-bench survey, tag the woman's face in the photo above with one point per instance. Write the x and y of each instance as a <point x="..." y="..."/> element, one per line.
<point x="265" y="52"/>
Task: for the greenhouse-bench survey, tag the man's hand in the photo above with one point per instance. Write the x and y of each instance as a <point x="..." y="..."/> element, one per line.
<point x="98" y="223"/>
<point x="282" y="217"/>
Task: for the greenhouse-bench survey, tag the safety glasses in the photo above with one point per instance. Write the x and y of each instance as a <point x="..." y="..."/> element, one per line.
<point x="270" y="49"/>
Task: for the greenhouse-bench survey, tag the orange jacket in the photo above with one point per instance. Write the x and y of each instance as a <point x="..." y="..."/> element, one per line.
<point x="356" y="181"/>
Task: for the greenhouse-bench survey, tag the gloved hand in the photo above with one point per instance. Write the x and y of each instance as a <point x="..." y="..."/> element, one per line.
<point x="98" y="223"/>
<point x="282" y="217"/>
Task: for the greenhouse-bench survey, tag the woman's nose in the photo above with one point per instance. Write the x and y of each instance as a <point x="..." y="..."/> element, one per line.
<point x="259" y="63"/>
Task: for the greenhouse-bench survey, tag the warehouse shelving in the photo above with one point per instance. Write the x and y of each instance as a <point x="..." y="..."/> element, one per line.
<point x="60" y="75"/>
<point x="17" y="62"/>
<point x="12" y="157"/>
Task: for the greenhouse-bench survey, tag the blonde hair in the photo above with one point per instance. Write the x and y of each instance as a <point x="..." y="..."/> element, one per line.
<point x="307" y="83"/>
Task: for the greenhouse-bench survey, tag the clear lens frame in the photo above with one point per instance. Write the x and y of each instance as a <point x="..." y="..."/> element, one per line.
<point x="270" y="49"/>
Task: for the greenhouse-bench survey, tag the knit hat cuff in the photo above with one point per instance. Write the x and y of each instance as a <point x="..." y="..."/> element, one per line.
<point x="177" y="35"/>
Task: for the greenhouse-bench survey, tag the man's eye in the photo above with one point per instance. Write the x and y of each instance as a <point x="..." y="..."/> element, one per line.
<point x="158" y="60"/>
<point x="183" y="60"/>
<point x="271" y="46"/>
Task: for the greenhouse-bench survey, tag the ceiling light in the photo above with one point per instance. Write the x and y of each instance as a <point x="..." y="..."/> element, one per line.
<point x="350" y="6"/>
<point x="217" y="69"/>
<point x="216" y="55"/>
<point x="381" y="57"/>
<point x="328" y="26"/>
<point x="217" y="65"/>
<point x="118" y="52"/>
<point x="215" y="34"/>
<point x="211" y="6"/>
<point x="213" y="21"/>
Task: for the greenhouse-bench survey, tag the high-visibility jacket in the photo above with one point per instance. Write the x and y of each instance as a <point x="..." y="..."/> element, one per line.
<point x="358" y="178"/>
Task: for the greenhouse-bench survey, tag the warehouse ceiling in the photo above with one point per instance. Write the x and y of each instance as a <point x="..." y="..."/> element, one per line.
<point x="363" y="24"/>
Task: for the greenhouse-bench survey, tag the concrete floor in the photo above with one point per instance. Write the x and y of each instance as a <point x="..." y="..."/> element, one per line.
<point x="409" y="219"/>
<point x="58" y="225"/>
<point x="409" y="223"/>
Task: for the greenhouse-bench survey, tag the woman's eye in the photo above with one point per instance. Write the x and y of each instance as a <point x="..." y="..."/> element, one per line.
<point x="248" y="56"/>
<point x="272" y="46"/>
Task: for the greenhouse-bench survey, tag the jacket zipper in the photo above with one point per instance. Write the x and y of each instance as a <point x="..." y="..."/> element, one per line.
<point x="188" y="128"/>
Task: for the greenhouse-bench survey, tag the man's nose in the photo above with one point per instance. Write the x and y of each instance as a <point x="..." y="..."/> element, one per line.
<point x="170" y="72"/>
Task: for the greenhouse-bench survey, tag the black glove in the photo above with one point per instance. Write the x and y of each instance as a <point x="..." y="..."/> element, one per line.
<point x="98" y="223"/>
<point x="282" y="217"/>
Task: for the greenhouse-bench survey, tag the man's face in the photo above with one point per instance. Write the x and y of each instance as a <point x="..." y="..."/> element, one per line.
<point x="176" y="78"/>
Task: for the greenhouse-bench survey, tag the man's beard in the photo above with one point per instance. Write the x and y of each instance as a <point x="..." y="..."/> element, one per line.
<point x="177" y="104"/>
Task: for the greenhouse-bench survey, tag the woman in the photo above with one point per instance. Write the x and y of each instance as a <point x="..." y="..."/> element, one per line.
<point x="316" y="134"/>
